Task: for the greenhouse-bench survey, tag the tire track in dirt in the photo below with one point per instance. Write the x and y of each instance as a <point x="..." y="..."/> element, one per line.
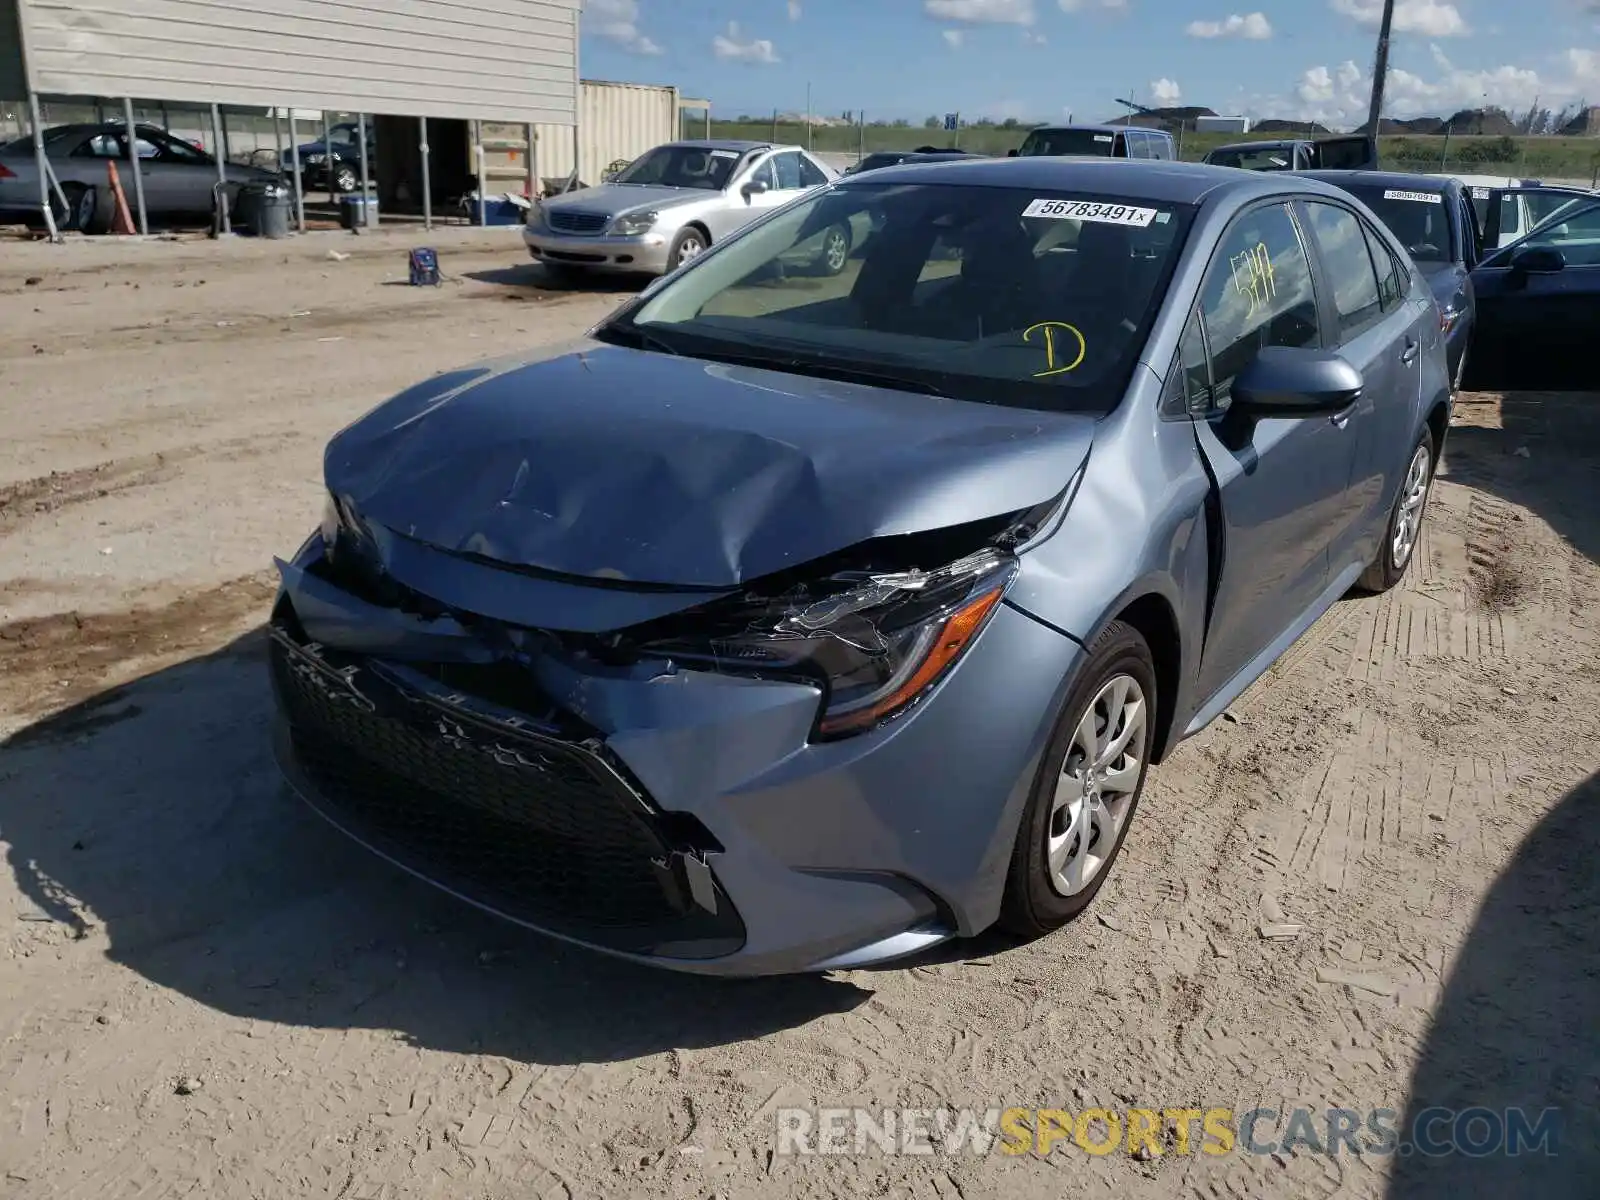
<point x="58" y="660"/>
<point x="45" y="494"/>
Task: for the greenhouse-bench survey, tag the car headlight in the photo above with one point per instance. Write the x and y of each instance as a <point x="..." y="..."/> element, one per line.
<point x="535" y="215"/>
<point x="332" y="518"/>
<point x="316" y="160"/>
<point x="631" y="223"/>
<point x="875" y="643"/>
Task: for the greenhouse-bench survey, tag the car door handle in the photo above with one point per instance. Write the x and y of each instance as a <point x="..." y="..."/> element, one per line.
<point x="1409" y="355"/>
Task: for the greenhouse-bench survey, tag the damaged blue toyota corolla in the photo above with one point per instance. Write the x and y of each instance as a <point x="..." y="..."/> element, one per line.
<point x="798" y="619"/>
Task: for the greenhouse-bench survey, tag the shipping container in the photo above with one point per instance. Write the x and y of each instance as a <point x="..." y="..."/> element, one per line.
<point x="616" y="121"/>
<point x="1222" y="124"/>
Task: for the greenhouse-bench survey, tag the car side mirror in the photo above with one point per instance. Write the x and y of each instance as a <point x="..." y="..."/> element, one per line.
<point x="1011" y="153"/>
<point x="755" y="187"/>
<point x="1538" y="260"/>
<point x="1288" y="381"/>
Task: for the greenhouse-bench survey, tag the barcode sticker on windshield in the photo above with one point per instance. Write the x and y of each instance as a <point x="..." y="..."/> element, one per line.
<point x="1480" y="193"/>
<point x="724" y="154"/>
<point x="1418" y="197"/>
<point x="1090" y="210"/>
<point x="1103" y="137"/>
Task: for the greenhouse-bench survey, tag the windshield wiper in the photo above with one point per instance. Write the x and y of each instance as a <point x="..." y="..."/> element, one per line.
<point x="844" y="372"/>
<point x="636" y="338"/>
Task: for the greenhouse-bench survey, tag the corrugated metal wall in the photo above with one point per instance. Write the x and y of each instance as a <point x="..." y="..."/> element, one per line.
<point x="13" y="83"/>
<point x="514" y="60"/>
<point x="616" y="120"/>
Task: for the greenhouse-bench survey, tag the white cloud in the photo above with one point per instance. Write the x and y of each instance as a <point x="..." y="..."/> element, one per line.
<point x="982" y="12"/>
<point x="1252" y="27"/>
<point x="618" y="21"/>
<point x="1073" y="6"/>
<point x="794" y="10"/>
<point x="1033" y="37"/>
<point x="1431" y="18"/>
<point x="953" y="38"/>
<point x="732" y="47"/>
<point x="1342" y="95"/>
<point x="1165" y="92"/>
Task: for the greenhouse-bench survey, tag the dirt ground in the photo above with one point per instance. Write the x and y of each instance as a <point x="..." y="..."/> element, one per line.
<point x="204" y="991"/>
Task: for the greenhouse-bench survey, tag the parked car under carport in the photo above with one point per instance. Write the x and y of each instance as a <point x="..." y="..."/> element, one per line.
<point x="180" y="182"/>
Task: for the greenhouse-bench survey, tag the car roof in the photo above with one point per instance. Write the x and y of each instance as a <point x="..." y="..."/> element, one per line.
<point x="1388" y="179"/>
<point x="1159" y="180"/>
<point x="1099" y="129"/>
<point x="727" y="144"/>
<point x="1259" y="144"/>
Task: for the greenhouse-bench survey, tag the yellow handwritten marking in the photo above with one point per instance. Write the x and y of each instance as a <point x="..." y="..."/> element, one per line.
<point x="1253" y="275"/>
<point x="1049" y="329"/>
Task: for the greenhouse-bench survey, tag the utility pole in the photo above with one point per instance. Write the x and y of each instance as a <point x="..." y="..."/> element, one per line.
<point x="1380" y="68"/>
<point x="808" y="114"/>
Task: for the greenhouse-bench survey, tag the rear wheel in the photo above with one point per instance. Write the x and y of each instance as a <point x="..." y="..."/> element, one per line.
<point x="1088" y="787"/>
<point x="80" y="212"/>
<point x="345" y="179"/>
<point x="1405" y="522"/>
<point x="834" y="253"/>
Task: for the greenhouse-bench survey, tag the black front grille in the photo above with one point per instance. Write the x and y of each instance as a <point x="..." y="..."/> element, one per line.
<point x="539" y="829"/>
<point x="575" y="221"/>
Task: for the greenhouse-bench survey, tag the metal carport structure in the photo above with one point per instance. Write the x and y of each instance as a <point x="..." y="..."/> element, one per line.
<point x="515" y="61"/>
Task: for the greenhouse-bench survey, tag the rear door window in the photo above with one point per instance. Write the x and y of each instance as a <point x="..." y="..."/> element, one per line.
<point x="1347" y="266"/>
<point x="1394" y="281"/>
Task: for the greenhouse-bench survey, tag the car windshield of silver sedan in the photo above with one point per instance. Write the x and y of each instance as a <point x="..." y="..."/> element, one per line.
<point x="1017" y="297"/>
<point x="682" y="167"/>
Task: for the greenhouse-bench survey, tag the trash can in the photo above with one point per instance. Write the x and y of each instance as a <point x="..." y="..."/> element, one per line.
<point x="262" y="210"/>
<point x="358" y="212"/>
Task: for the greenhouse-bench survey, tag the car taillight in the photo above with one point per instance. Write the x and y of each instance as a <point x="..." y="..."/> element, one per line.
<point x="6" y="172"/>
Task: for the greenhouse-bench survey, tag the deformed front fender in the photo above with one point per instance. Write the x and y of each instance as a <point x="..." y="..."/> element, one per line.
<point x="1133" y="541"/>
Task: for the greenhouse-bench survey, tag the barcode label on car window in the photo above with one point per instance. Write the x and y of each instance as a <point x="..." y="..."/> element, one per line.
<point x="724" y="154"/>
<point x="1480" y="193"/>
<point x="1102" y="137"/>
<point x="1091" y="210"/>
<point x="1418" y="197"/>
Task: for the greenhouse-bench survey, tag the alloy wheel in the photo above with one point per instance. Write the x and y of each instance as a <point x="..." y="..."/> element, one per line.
<point x="690" y="247"/>
<point x="1099" y="780"/>
<point x="835" y="251"/>
<point x="1413" y="499"/>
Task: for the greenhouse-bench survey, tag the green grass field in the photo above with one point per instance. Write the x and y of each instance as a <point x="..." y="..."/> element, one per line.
<point x="1539" y="157"/>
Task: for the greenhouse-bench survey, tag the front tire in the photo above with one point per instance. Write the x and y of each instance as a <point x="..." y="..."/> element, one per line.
<point x="1087" y="789"/>
<point x="346" y="180"/>
<point x="1404" y="531"/>
<point x="690" y="244"/>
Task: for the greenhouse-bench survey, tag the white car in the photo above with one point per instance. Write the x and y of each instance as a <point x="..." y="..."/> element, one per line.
<point x="1507" y="208"/>
<point x="675" y="202"/>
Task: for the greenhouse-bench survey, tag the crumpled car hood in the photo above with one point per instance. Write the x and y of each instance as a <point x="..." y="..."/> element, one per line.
<point x="615" y="464"/>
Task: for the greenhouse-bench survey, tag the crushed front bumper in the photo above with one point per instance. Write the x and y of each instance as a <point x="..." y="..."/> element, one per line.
<point x="679" y="818"/>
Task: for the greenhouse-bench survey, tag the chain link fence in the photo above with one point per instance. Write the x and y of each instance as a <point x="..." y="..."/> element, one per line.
<point x="1551" y="159"/>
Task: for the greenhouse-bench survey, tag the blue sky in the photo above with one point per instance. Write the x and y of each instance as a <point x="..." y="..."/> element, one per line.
<point x="1043" y="59"/>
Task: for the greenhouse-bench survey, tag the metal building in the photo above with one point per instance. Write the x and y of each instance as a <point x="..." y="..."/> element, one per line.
<point x="515" y="61"/>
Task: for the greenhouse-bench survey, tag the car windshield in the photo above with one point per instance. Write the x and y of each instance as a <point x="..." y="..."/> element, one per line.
<point x="1417" y="216"/>
<point x="703" y="167"/>
<point x="1002" y="295"/>
<point x="1267" y="158"/>
<point x="1053" y="143"/>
